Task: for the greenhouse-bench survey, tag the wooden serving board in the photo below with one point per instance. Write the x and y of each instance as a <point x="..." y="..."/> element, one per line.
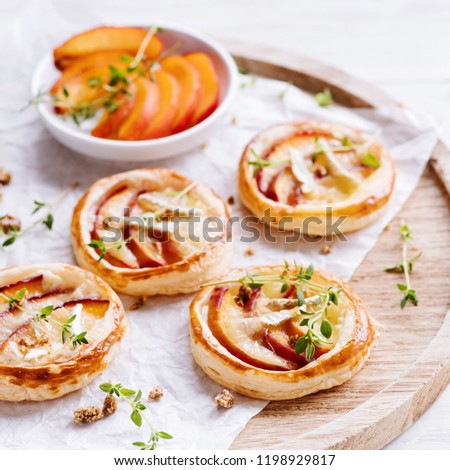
<point x="410" y="363"/>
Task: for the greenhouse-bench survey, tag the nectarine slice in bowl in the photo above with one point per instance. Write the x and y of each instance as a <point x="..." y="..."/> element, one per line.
<point x="209" y="85"/>
<point x="189" y="82"/>
<point x="169" y="104"/>
<point x="160" y="143"/>
<point x="254" y="334"/>
<point x="105" y="38"/>
<point x="60" y="335"/>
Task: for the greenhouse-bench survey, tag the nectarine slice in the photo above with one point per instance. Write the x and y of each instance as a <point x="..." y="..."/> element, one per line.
<point x="209" y="85"/>
<point x="109" y="124"/>
<point x="89" y="61"/>
<point x="34" y="287"/>
<point x="146" y="105"/>
<point x="189" y="81"/>
<point x="227" y="324"/>
<point x="105" y="38"/>
<point x="169" y="92"/>
<point x="78" y="88"/>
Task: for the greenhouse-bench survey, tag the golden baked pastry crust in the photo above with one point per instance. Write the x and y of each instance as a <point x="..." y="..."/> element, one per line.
<point x="192" y="264"/>
<point x="352" y="338"/>
<point x="34" y="362"/>
<point x="335" y="179"/>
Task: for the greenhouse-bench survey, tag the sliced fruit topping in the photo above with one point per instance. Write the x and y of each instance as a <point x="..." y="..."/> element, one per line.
<point x="209" y="85"/>
<point x="189" y="82"/>
<point x="227" y="324"/>
<point x="111" y="120"/>
<point x="96" y="308"/>
<point x="146" y="106"/>
<point x="106" y="38"/>
<point x="33" y="286"/>
<point x="169" y="105"/>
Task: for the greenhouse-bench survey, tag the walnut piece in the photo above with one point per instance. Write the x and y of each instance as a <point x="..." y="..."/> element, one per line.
<point x="87" y="415"/>
<point x="140" y="302"/>
<point x="156" y="393"/>
<point x="9" y="223"/>
<point x="5" y="177"/>
<point x="224" y="399"/>
<point x="326" y="249"/>
<point x="109" y="405"/>
<point x="243" y="295"/>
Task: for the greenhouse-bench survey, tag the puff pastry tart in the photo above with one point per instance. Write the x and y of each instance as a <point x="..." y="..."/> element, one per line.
<point x="280" y="332"/>
<point x="307" y="176"/>
<point x="59" y="328"/>
<point x="151" y="231"/>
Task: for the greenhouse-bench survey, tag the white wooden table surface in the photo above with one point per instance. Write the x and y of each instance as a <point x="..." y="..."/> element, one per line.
<point x="403" y="46"/>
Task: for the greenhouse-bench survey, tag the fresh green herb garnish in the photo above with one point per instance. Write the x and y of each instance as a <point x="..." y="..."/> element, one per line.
<point x="405" y="267"/>
<point x="258" y="163"/>
<point x="346" y="141"/>
<point x="370" y="160"/>
<point x="282" y="93"/>
<point x="47" y="219"/>
<point x="324" y="98"/>
<point x="45" y="315"/>
<point x="17" y="298"/>
<point x="137" y="413"/>
<point x="300" y="279"/>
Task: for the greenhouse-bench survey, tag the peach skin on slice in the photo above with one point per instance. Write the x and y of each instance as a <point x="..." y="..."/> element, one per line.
<point x="146" y="105"/>
<point x="169" y="92"/>
<point x="189" y="81"/>
<point x="89" y="61"/>
<point x="209" y="85"/>
<point x="78" y="88"/>
<point x="109" y="124"/>
<point x="105" y="38"/>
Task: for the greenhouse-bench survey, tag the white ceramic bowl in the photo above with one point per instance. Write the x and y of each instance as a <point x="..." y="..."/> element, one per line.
<point x="81" y="141"/>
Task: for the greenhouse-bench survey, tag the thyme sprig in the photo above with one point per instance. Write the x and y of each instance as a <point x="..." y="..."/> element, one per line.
<point x="258" y="162"/>
<point x="17" y="301"/>
<point x="324" y="98"/>
<point x="300" y="279"/>
<point x="406" y="267"/>
<point x="104" y="248"/>
<point x="46" y="219"/>
<point x="138" y="417"/>
<point x="116" y="86"/>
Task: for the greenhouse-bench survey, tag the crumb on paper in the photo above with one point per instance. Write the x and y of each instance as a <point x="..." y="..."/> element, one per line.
<point x="156" y="393"/>
<point x="109" y="405"/>
<point x="5" y="177"/>
<point x="9" y="223"/>
<point x="230" y="200"/>
<point x="224" y="399"/>
<point x="87" y="415"/>
<point x="249" y="252"/>
<point x="234" y="120"/>
<point x="326" y="249"/>
<point x="140" y="302"/>
<point x="204" y="145"/>
<point x="387" y="228"/>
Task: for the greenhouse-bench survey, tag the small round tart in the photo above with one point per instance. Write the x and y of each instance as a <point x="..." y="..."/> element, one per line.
<point x="151" y="231"/>
<point x="307" y="176"/>
<point x="279" y="332"/>
<point x="59" y="328"/>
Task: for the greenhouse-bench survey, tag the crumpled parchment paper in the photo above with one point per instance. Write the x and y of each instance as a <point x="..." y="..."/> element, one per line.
<point x="156" y="348"/>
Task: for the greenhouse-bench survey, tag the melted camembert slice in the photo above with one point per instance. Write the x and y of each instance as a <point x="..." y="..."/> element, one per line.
<point x="316" y="166"/>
